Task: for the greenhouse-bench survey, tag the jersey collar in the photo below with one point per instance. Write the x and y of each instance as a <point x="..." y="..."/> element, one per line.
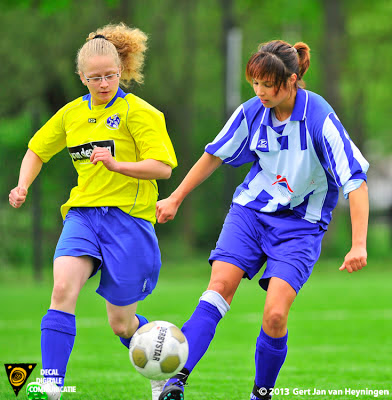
<point x="120" y="93"/>
<point x="299" y="111"/>
<point x="300" y="106"/>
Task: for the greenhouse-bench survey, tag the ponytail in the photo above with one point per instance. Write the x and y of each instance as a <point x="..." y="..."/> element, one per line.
<point x="303" y="51"/>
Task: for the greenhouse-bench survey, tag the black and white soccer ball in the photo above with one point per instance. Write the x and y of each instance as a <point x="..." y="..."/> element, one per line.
<point x="158" y="350"/>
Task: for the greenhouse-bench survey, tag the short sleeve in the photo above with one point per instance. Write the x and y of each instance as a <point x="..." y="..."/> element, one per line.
<point x="148" y="128"/>
<point x="232" y="145"/>
<point x="344" y="159"/>
<point x="50" y="139"/>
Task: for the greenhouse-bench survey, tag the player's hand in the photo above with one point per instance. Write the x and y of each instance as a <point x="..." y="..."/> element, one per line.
<point x="17" y="196"/>
<point x="166" y="210"/>
<point x="104" y="155"/>
<point x="355" y="259"/>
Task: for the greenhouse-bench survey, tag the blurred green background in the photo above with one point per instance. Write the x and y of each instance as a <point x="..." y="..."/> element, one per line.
<point x="185" y="77"/>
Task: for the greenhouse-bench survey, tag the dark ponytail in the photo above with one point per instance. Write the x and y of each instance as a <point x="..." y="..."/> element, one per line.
<point x="303" y="58"/>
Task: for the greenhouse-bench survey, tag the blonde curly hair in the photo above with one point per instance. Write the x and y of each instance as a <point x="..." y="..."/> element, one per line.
<point x="127" y="46"/>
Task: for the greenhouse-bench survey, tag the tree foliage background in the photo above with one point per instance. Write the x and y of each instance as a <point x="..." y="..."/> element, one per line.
<point x="351" y="50"/>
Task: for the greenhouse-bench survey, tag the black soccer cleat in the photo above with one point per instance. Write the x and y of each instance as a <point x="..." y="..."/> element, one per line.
<point x="172" y="392"/>
<point x="174" y="388"/>
<point x="260" y="393"/>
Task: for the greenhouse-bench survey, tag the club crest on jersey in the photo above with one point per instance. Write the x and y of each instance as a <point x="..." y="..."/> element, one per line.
<point x="113" y="122"/>
<point x="282" y="181"/>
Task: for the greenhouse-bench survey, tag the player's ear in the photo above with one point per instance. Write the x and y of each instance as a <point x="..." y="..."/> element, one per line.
<point x="82" y="78"/>
<point x="293" y="78"/>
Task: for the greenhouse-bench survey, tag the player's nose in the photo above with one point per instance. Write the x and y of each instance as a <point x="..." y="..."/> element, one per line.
<point x="259" y="91"/>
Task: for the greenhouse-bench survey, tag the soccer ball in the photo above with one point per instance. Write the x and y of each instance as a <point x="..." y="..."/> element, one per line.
<point x="158" y="350"/>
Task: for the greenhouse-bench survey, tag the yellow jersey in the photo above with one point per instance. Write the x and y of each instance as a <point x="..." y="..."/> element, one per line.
<point x="130" y="128"/>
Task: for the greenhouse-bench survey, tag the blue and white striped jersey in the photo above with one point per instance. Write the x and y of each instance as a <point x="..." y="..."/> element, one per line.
<point x="298" y="166"/>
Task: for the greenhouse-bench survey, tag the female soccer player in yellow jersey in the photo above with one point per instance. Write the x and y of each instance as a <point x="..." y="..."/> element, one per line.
<point x="119" y="146"/>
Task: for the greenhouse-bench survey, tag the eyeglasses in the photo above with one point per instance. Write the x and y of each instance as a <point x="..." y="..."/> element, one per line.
<point x="98" y="79"/>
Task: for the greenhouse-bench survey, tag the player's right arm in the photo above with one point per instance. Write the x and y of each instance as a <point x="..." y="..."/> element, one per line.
<point x="45" y="143"/>
<point x="29" y="170"/>
<point x="166" y="209"/>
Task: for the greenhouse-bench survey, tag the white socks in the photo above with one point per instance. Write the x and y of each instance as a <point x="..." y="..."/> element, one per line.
<point x="214" y="298"/>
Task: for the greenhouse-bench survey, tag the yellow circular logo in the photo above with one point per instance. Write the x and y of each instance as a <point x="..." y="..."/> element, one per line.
<point x="17" y="376"/>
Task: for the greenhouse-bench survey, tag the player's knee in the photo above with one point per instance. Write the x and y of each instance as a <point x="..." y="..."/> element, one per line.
<point x="120" y="330"/>
<point x="123" y="329"/>
<point x="274" y="320"/>
<point x="63" y="293"/>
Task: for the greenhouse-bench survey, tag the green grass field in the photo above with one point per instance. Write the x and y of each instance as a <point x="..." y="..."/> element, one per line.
<point x="339" y="336"/>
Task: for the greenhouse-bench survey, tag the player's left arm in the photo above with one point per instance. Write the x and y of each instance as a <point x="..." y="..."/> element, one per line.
<point x="156" y="153"/>
<point x="356" y="258"/>
<point x="145" y="169"/>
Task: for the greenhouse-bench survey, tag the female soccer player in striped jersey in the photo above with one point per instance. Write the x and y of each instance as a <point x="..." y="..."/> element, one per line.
<point x="300" y="155"/>
<point x="119" y="146"/>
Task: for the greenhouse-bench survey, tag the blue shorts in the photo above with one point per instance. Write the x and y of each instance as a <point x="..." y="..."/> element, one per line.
<point x="124" y="248"/>
<point x="290" y="245"/>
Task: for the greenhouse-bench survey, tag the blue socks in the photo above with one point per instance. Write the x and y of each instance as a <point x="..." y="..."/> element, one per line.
<point x="58" y="331"/>
<point x="142" y="321"/>
<point x="200" y="328"/>
<point x="270" y="356"/>
<point x="199" y="331"/>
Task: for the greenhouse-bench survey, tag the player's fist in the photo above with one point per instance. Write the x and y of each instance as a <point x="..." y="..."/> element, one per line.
<point x="166" y="210"/>
<point x="355" y="259"/>
<point x="17" y="196"/>
<point x="105" y="156"/>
